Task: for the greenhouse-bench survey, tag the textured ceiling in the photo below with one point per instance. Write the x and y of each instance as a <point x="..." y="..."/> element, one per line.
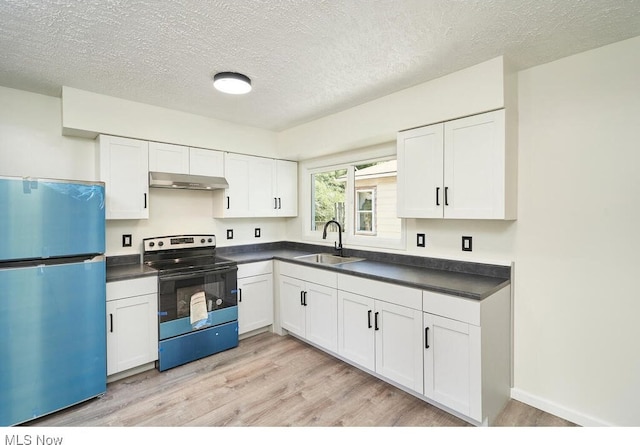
<point x="306" y="58"/>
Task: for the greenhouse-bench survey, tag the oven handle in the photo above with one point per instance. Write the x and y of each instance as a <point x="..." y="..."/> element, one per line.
<point x="197" y="274"/>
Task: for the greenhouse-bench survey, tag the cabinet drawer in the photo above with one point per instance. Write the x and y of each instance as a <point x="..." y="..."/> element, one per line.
<point x="449" y="306"/>
<point x="310" y="274"/>
<point x="391" y="293"/>
<point x="131" y="288"/>
<point x="253" y="269"/>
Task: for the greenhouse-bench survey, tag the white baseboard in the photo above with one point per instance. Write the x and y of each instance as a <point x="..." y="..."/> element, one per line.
<point x="557" y="410"/>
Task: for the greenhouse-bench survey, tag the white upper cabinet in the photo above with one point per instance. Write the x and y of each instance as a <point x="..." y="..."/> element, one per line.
<point x="258" y="187"/>
<point x="234" y="201"/>
<point x="206" y="162"/>
<point x="262" y="199"/>
<point x="286" y="188"/>
<point x="123" y="167"/>
<point x="168" y="158"/>
<point x="420" y="173"/>
<point x="460" y="169"/>
<point x="274" y="187"/>
<point x="171" y="158"/>
<point x="474" y="167"/>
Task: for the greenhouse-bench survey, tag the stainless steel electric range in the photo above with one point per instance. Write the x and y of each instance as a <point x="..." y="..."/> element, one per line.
<point x="197" y="299"/>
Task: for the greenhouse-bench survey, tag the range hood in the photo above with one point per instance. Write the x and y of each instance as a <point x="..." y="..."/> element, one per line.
<point x="182" y="181"/>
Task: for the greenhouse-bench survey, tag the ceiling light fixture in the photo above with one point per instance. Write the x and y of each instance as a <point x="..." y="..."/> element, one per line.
<point x="232" y="83"/>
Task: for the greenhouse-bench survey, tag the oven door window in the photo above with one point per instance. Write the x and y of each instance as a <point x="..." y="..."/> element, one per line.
<point x="177" y="291"/>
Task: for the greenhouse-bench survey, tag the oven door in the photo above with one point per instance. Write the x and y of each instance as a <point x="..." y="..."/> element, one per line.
<point x="211" y="293"/>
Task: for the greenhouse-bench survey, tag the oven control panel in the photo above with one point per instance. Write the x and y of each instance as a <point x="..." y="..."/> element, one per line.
<point x="178" y="242"/>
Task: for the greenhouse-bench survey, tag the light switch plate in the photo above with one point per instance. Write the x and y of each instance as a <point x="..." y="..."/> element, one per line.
<point x="126" y="240"/>
<point x="420" y="240"/>
<point x="256" y="232"/>
<point x="467" y="243"/>
<point x="229" y="233"/>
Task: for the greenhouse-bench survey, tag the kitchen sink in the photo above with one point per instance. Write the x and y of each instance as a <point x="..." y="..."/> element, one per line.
<point x="328" y="258"/>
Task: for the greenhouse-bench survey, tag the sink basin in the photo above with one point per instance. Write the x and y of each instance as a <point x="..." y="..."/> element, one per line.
<point x="328" y="258"/>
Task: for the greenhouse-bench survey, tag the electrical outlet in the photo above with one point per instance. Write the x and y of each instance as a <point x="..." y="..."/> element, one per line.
<point x="466" y="243"/>
<point x="420" y="240"/>
<point x="229" y="233"/>
<point x="126" y="240"/>
<point x="256" y="232"/>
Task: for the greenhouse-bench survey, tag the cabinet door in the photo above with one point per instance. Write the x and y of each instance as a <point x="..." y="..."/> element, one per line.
<point x="287" y="188"/>
<point x="262" y="196"/>
<point x="292" y="314"/>
<point x="474" y="161"/>
<point x="321" y="316"/>
<point x="206" y="162"/>
<point x="124" y="168"/>
<point x="452" y="374"/>
<point x="132" y="332"/>
<point x="420" y="172"/>
<point x="356" y="340"/>
<point x="398" y="332"/>
<point x="168" y="158"/>
<point x="255" y="302"/>
<point x="236" y="197"/>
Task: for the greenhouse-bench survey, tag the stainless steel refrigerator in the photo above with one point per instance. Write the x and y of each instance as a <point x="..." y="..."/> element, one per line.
<point x="52" y="296"/>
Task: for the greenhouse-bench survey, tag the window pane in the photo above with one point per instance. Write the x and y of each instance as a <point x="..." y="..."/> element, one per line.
<point x="329" y="199"/>
<point x="365" y="199"/>
<point x="375" y="212"/>
<point x="365" y="222"/>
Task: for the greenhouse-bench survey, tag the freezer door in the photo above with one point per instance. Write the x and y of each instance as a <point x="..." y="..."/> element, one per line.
<point x="44" y="218"/>
<point x="53" y="338"/>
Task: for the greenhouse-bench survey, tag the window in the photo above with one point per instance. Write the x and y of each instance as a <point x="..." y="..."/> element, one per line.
<point x="365" y="211"/>
<point x="362" y="198"/>
<point x="329" y="192"/>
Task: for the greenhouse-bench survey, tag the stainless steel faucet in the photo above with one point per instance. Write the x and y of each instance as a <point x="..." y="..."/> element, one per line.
<point x="338" y="245"/>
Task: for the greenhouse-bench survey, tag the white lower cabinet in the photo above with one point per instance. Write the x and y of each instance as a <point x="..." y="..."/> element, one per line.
<point x="356" y="339"/>
<point x="452" y="364"/>
<point x="309" y="309"/>
<point x="132" y="323"/>
<point x="467" y="353"/>
<point x="451" y="351"/>
<point x="381" y="336"/>
<point x="255" y="296"/>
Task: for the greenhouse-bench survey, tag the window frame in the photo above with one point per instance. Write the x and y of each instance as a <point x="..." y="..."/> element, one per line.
<point x="373" y="211"/>
<point x="383" y="152"/>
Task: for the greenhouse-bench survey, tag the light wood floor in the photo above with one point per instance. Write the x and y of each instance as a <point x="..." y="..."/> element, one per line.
<point x="268" y="380"/>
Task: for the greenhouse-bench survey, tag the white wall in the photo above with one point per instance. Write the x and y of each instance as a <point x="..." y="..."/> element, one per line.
<point x="88" y="114"/>
<point x="469" y="91"/>
<point x="576" y="289"/>
<point x="31" y="144"/>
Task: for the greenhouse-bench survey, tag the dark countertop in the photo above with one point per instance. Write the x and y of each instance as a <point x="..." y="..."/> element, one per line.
<point x="461" y="284"/>
<point x="468" y="280"/>
<point x="127" y="267"/>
